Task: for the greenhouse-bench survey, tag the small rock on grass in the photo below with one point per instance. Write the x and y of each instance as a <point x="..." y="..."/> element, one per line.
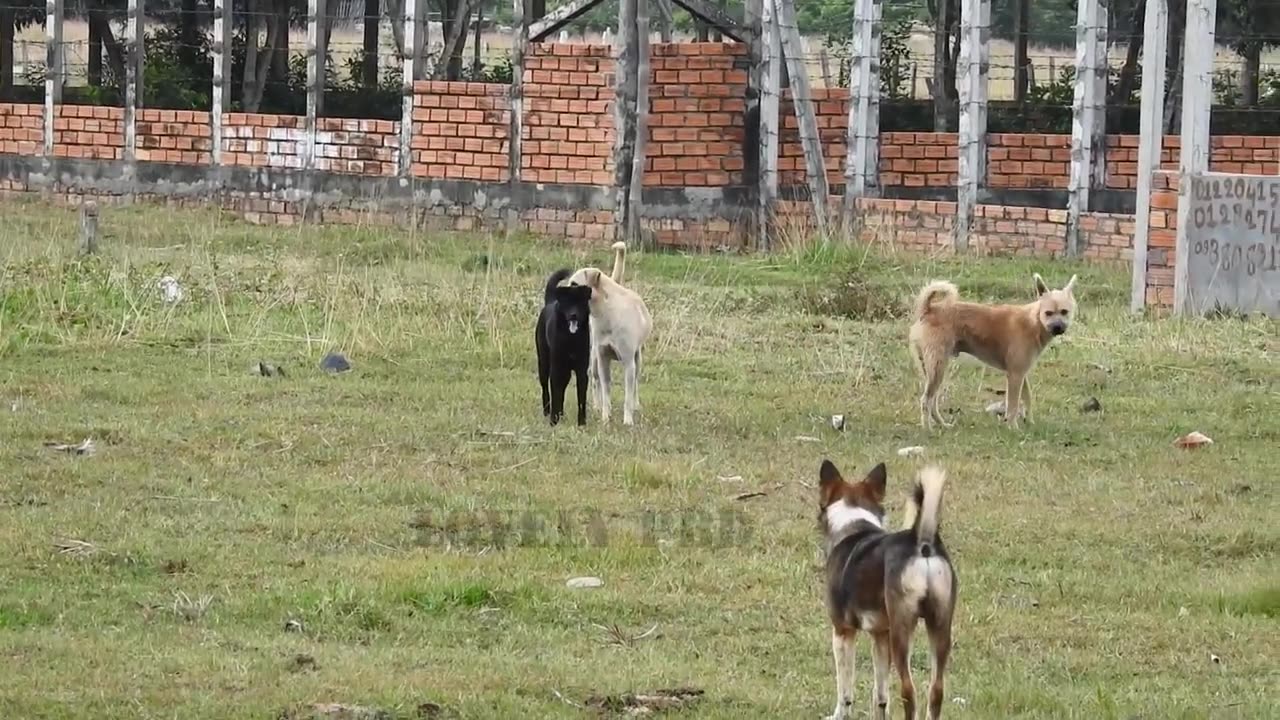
<point x="1091" y="405"/>
<point x="266" y="369"/>
<point x="584" y="582"/>
<point x="335" y="362"/>
<point x="913" y="451"/>
<point x="1193" y="440"/>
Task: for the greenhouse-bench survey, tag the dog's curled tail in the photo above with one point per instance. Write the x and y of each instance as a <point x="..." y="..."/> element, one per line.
<point x="619" y="261"/>
<point x="556" y="278"/>
<point x="930" y="295"/>
<point x="924" y="508"/>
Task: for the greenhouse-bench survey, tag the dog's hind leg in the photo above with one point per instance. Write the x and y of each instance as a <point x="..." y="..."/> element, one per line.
<point x="934" y="367"/>
<point x="900" y="651"/>
<point x="842" y="648"/>
<point x="631" y="386"/>
<point x="940" y="649"/>
<point x="544" y="378"/>
<point x="881" y="664"/>
<point x="1026" y="399"/>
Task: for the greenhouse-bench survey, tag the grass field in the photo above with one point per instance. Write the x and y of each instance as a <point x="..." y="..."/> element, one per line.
<point x="243" y="546"/>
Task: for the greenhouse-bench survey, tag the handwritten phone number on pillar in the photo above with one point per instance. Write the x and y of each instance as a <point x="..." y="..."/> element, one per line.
<point x="1253" y="257"/>
<point x="1215" y="216"/>
<point x="1207" y="190"/>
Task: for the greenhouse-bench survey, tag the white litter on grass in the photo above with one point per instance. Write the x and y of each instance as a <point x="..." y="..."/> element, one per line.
<point x="170" y="289"/>
<point x="85" y="447"/>
<point x="913" y="451"/>
<point x="579" y="583"/>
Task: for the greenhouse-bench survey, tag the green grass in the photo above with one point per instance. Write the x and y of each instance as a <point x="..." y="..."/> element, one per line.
<point x="411" y="525"/>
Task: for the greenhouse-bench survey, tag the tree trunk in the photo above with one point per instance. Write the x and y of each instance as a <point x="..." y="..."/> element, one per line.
<point x="95" y="57"/>
<point x="476" y="65"/>
<point x="938" y="8"/>
<point x="7" y="33"/>
<point x="369" y="62"/>
<point x="115" y="51"/>
<point x="1129" y="71"/>
<point x="1250" y="74"/>
<point x="1173" y="68"/>
<point x="664" y="19"/>
<point x="456" y="20"/>
<point x="1021" y="61"/>
<point x="279" y="60"/>
<point x="188" y="34"/>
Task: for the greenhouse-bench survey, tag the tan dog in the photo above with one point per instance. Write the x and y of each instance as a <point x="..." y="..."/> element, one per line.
<point x="1006" y="337"/>
<point x="620" y="324"/>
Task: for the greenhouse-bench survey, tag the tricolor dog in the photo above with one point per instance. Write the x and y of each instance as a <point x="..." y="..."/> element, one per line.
<point x="881" y="583"/>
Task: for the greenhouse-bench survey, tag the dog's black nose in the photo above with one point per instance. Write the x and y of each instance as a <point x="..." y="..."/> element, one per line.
<point x="1057" y="329"/>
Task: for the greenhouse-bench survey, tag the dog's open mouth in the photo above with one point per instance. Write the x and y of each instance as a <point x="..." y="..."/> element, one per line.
<point x="573" y="326"/>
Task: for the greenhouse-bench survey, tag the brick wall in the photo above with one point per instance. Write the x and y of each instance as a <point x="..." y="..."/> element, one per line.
<point x="174" y="136"/>
<point x="568" y="128"/>
<point x="697" y="115"/>
<point x="88" y="131"/>
<point x="919" y="159"/>
<point x="257" y="140"/>
<point x="21" y="129"/>
<point x="830" y="108"/>
<point x="358" y="147"/>
<point x="460" y="131"/>
<point x="1028" y="161"/>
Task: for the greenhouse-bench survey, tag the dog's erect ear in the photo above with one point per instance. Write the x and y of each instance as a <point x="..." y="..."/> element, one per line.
<point x="877" y="481"/>
<point x="1041" y="287"/>
<point x="1070" y="285"/>
<point x="829" y="484"/>
<point x="593" y="277"/>
<point x="828" y="475"/>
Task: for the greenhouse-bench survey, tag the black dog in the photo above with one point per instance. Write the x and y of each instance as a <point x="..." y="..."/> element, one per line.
<point x="564" y="344"/>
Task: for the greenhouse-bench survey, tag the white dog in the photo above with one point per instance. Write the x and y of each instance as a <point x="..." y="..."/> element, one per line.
<point x="620" y="323"/>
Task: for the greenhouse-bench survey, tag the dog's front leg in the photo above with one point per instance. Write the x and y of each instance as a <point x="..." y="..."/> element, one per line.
<point x="603" y="372"/>
<point x="1012" y="396"/>
<point x="559" y="384"/>
<point x="582" y="374"/>
<point x="842" y="650"/>
<point x="1026" y="399"/>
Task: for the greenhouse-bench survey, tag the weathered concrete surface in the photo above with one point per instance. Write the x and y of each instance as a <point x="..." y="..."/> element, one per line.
<point x="316" y="189"/>
<point x="1232" y="243"/>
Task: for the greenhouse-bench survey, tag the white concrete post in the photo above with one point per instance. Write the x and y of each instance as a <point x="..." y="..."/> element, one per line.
<point x="1155" y="37"/>
<point x="315" y="77"/>
<point x="222" y="24"/>
<point x="770" y="101"/>
<point x="975" y="32"/>
<point x="862" y="154"/>
<point x="133" y="77"/>
<point x="54" y="53"/>
<point x="412" y="44"/>
<point x="1088" y="111"/>
<point x="1197" y="100"/>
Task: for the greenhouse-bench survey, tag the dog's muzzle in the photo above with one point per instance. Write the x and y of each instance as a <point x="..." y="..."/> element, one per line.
<point x="573" y="327"/>
<point x="1057" y="328"/>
